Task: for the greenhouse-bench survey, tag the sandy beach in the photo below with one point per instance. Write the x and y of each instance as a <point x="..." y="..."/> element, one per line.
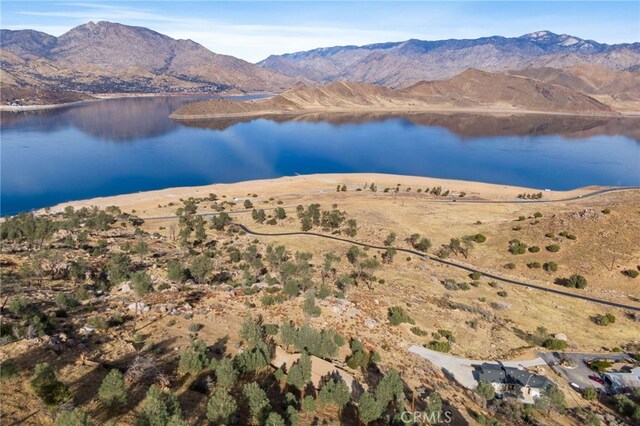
<point x="318" y="184"/>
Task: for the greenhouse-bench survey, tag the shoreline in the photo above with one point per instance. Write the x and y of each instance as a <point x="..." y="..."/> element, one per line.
<point x="321" y="184"/>
<point x="105" y="96"/>
<point x="391" y="111"/>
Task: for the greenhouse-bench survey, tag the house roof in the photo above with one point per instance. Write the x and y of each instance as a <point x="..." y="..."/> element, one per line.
<point x="497" y="373"/>
<point x="628" y="380"/>
<point x="320" y="368"/>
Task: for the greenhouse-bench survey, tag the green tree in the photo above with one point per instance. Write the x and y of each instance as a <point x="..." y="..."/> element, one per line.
<point x="201" y="267"/>
<point x="274" y="419"/>
<point x="335" y="392"/>
<point x="160" y="408"/>
<point x="47" y="387"/>
<point x="193" y="359"/>
<point x="175" y="271"/>
<point x="226" y="375"/>
<point x="368" y="408"/>
<point x="390" y="389"/>
<point x="141" y="249"/>
<point x="119" y="268"/>
<point x="552" y="398"/>
<point x="221" y="407"/>
<point x="257" y="400"/>
<point x="251" y="331"/>
<point x="486" y="390"/>
<point x="112" y="391"/>
<point x="308" y="404"/>
<point x="141" y="283"/>
<point x="280" y="213"/>
<point x="590" y="393"/>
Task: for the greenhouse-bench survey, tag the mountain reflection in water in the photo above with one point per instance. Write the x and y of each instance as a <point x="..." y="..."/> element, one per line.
<point x="128" y="145"/>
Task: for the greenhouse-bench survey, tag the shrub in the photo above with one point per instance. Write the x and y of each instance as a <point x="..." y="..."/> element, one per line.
<point x="537" y="215"/>
<point x="555" y="344"/>
<point x="397" y="315"/>
<point x="604" y="320"/>
<point x="98" y="322"/>
<point x="75" y="417"/>
<point x="550" y="266"/>
<point x="221" y="407"/>
<point x="517" y="247"/>
<point x="439" y="346"/>
<point x="600" y="365"/>
<point x="66" y="301"/>
<point x="534" y="249"/>
<point x="486" y="390"/>
<point x="590" y="393"/>
<point x="47" y="387"/>
<point x="553" y="248"/>
<point x="575" y="281"/>
<point x="112" y="390"/>
<point x="533" y="265"/>
<point x="141" y="283"/>
<point x="631" y="273"/>
<point x="8" y="370"/>
<point x="510" y="265"/>
<point x="502" y="293"/>
<point x="418" y="331"/>
<point x="606" y="211"/>
<point x="475" y="275"/>
<point x="550" y="235"/>
<point x="479" y="238"/>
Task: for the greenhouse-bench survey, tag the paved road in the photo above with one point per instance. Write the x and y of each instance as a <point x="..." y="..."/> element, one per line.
<point x="444" y="262"/>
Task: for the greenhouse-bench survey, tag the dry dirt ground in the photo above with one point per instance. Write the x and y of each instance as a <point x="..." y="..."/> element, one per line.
<point x="605" y="245"/>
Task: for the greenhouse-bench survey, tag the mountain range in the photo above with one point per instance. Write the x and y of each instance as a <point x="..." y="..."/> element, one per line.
<point x="401" y="64"/>
<point x="105" y="57"/>
<point x="470" y="90"/>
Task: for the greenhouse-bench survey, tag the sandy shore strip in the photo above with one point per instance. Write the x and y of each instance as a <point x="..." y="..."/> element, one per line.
<point x="318" y="184"/>
<point x="487" y="111"/>
<point x="103" y="96"/>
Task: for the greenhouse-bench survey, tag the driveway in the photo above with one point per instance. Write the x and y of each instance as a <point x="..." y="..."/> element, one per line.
<point x="580" y="373"/>
<point x="462" y="368"/>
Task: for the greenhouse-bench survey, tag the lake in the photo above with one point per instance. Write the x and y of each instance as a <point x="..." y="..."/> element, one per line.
<point x="128" y="145"/>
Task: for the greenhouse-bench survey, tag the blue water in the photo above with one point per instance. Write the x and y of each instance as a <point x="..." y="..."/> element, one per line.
<point x="130" y="145"/>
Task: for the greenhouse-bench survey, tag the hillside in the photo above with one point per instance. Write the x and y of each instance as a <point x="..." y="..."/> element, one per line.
<point x="619" y="89"/>
<point x="470" y="90"/>
<point x="126" y="290"/>
<point x="404" y="63"/>
<point x="107" y="57"/>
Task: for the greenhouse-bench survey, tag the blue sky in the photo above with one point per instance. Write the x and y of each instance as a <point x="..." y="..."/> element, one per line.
<point x="253" y="30"/>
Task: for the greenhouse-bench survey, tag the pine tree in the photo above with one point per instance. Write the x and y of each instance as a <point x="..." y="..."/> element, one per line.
<point x="221" y="407"/>
<point x="112" y="390"/>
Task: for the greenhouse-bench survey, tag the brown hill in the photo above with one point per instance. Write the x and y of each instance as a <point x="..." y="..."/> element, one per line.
<point x="107" y="57"/>
<point x="470" y="90"/>
<point x="618" y="89"/>
<point x="474" y="88"/>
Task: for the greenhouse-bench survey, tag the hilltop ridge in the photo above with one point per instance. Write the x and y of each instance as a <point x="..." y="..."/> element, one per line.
<point x="472" y="89"/>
